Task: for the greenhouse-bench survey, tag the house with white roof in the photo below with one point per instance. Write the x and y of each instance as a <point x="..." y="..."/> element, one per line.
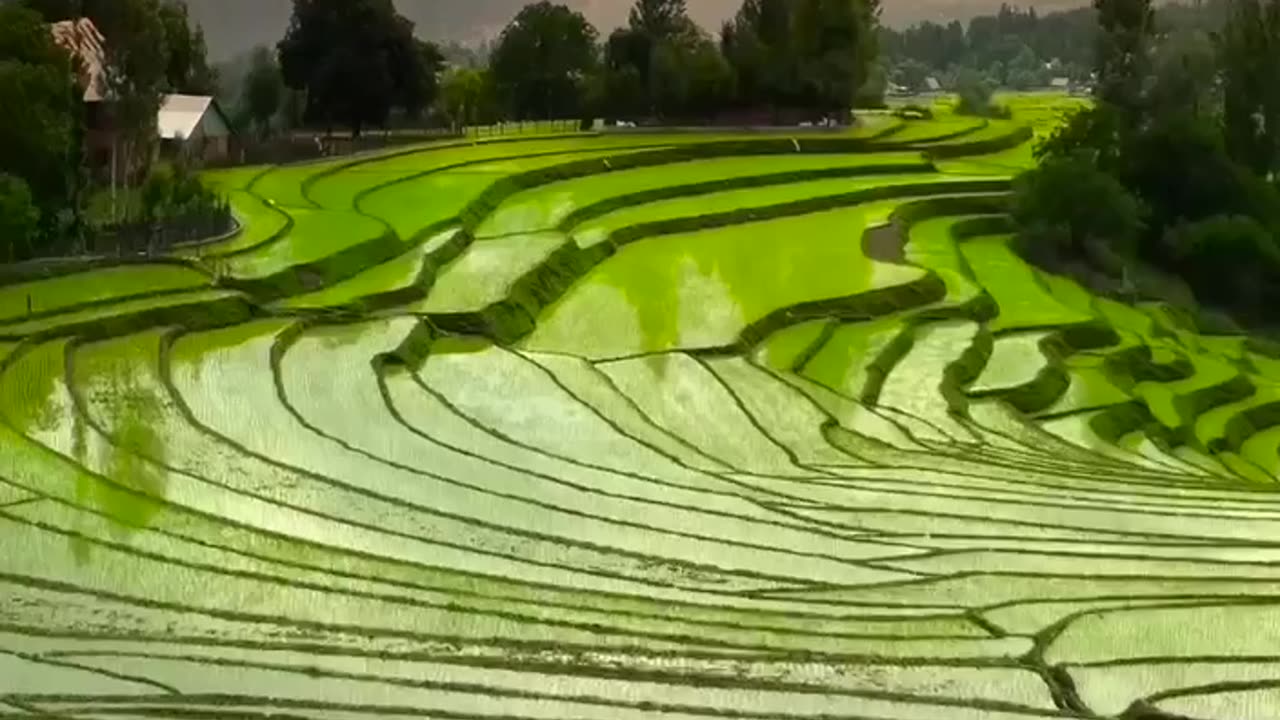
<point x="194" y="125"/>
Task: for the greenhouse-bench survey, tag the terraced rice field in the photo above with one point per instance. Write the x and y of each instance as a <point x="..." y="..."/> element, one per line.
<point x="632" y="427"/>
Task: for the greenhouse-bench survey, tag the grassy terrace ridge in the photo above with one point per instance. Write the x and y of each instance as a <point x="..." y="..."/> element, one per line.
<point x="633" y="426"/>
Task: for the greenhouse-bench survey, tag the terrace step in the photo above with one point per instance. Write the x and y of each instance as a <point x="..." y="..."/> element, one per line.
<point x="950" y="353"/>
<point x="847" y="362"/>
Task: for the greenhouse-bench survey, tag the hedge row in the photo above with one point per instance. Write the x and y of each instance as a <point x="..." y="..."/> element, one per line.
<point x="1126" y="368"/>
<point x="49" y="268"/>
<point x="1021" y="135"/>
<point x="320" y="273"/>
<point x="671" y="192"/>
<point x="921" y="144"/>
<point x="512" y="318"/>
<point x="197" y="315"/>
<point x="1054" y="380"/>
<point x="1246" y="424"/>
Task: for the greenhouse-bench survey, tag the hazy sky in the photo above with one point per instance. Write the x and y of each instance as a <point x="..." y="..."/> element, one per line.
<point x="233" y="26"/>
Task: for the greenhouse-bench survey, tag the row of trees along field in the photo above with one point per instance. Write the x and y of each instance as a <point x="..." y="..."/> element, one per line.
<point x="1171" y="181"/>
<point x="357" y="65"/>
<point x="1018" y="49"/>
<point x="49" y="200"/>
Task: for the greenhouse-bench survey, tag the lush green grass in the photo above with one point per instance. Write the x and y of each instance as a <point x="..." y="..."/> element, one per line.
<point x="1022" y="298"/>
<point x="544" y="208"/>
<point x="737" y="470"/>
<point x="486" y="271"/>
<point x="702" y="289"/>
<point x="599" y="229"/>
<point x="57" y="294"/>
<point x="316" y="234"/>
<point x="397" y="274"/>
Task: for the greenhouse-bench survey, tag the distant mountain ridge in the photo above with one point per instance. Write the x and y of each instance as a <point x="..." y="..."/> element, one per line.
<point x="234" y="26"/>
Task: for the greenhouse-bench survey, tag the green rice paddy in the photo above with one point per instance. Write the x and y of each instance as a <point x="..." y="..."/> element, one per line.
<point x="640" y="426"/>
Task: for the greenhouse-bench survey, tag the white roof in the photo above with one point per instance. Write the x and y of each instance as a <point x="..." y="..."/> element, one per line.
<point x="1060" y="82"/>
<point x="180" y="115"/>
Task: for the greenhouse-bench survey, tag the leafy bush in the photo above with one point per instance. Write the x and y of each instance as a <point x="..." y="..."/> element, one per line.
<point x="1183" y="173"/>
<point x="19" y="219"/>
<point x="174" y="191"/>
<point x="976" y="96"/>
<point x="1067" y="204"/>
<point x="1230" y="260"/>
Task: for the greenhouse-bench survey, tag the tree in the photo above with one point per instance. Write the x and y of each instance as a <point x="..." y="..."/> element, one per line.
<point x="263" y="90"/>
<point x="757" y="43"/>
<point x="1122" y="59"/>
<point x="136" y="67"/>
<point x="689" y="77"/>
<point x="423" y="86"/>
<point x="1184" y="78"/>
<point x="542" y="61"/>
<point x="660" y="19"/>
<point x="835" y="49"/>
<point x="188" y="71"/>
<point x="621" y="89"/>
<point x="647" y="53"/>
<point x="912" y="75"/>
<point x="19" y="219"/>
<point x="466" y="97"/>
<point x="355" y="59"/>
<point x="1249" y="52"/>
<point x="976" y="95"/>
<point x="1231" y="261"/>
<point x="1067" y="205"/>
<point x="1180" y="168"/>
<point x="40" y="114"/>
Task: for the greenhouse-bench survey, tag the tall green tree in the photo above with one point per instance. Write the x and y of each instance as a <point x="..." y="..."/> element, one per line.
<point x="355" y="59"/>
<point x="1123" y="54"/>
<point x="836" y="45"/>
<point x="1249" y="53"/>
<point x="263" y="90"/>
<point x="659" y="37"/>
<point x="542" y="61"/>
<point x="660" y="19"/>
<point x="759" y="44"/>
<point x="188" y="71"/>
<point x="40" y="113"/>
<point x="137" y="67"/>
<point x="19" y="219"/>
<point x="467" y="97"/>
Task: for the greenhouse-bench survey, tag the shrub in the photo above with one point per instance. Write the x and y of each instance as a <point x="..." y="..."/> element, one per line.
<point x="174" y="191"/>
<point x="1230" y="260"/>
<point x="1183" y="173"/>
<point x="976" y="96"/>
<point x="1067" y="205"/>
<point x="19" y="219"/>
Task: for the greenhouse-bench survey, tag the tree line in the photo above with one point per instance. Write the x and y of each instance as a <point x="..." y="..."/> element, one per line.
<point x="1175" y="170"/>
<point x="356" y="64"/>
<point x="1019" y="48"/>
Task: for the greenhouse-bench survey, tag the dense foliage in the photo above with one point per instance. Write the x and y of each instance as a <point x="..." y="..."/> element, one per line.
<point x="1016" y="48"/>
<point x="39" y="125"/>
<point x="150" y="48"/>
<point x="1183" y="128"/>
<point x="356" y="60"/>
<point x="542" y="62"/>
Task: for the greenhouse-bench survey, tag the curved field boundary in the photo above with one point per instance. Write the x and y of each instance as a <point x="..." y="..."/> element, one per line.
<point x="391" y="516"/>
<point x="512" y="319"/>
<point x="203" y="309"/>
